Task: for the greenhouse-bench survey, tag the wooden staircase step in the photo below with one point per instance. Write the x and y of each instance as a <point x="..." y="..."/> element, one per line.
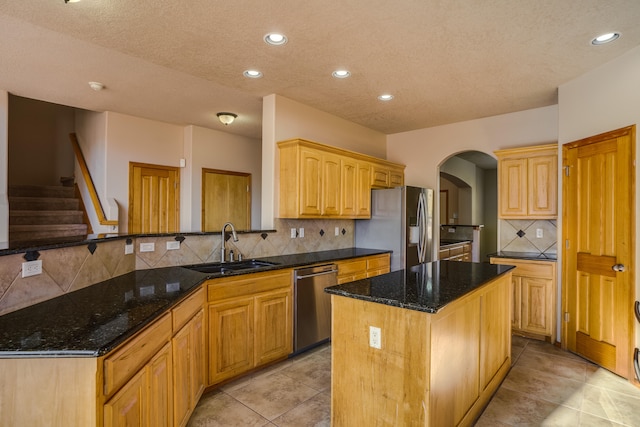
<point x="45" y="217"/>
<point x="54" y="191"/>
<point x="43" y="203"/>
<point x="30" y="232"/>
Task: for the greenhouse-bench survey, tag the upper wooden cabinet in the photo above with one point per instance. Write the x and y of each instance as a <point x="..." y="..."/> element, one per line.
<point x="319" y="181"/>
<point x="528" y="182"/>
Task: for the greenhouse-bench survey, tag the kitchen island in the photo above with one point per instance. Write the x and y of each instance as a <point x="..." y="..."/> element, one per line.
<point x="423" y="347"/>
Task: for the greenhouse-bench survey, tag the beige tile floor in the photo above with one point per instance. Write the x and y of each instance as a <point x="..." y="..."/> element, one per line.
<point x="545" y="387"/>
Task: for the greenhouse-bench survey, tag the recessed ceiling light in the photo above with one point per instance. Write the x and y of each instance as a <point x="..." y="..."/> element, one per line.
<point x="341" y="74"/>
<point x="385" y="97"/>
<point x="252" y="74"/>
<point x="605" y="38"/>
<point x="275" y="39"/>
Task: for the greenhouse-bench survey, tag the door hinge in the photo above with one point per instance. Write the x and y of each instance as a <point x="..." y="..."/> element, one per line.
<point x="566" y="244"/>
<point x="566" y="170"/>
<point x="566" y="317"/>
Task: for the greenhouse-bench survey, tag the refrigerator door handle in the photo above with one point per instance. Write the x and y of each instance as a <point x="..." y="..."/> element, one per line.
<point x="422" y="227"/>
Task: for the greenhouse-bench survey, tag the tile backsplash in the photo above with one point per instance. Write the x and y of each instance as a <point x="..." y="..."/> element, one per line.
<point x="72" y="268"/>
<point x="523" y="236"/>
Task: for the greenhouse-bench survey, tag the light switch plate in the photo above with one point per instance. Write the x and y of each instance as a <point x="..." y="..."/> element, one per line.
<point x="147" y="247"/>
<point x="294" y="233"/>
<point x="337" y="231"/>
<point x="301" y="234"/>
<point x="172" y="245"/>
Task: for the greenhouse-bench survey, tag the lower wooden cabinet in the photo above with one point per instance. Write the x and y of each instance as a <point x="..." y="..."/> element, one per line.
<point x="459" y="252"/>
<point x="533" y="297"/>
<point x="250" y="322"/>
<point x="360" y="268"/>
<point x="146" y="399"/>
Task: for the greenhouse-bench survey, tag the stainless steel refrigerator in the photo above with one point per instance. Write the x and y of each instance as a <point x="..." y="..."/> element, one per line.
<point x="401" y="221"/>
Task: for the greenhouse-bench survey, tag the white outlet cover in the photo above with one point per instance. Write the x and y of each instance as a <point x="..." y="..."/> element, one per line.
<point x="539" y="233"/>
<point x="31" y="268"/>
<point x="301" y="232"/>
<point x="337" y="231"/>
<point x="172" y="245"/>
<point x="294" y="233"/>
<point x="375" y="337"/>
<point x="147" y="247"/>
<point x="128" y="249"/>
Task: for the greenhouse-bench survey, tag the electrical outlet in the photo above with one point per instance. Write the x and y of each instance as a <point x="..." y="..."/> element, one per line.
<point x="294" y="233"/>
<point x="128" y="249"/>
<point x="147" y="247"/>
<point x="301" y="234"/>
<point x="31" y="268"/>
<point x="337" y="231"/>
<point x="375" y="337"/>
<point x="172" y="245"/>
<point x="539" y="233"/>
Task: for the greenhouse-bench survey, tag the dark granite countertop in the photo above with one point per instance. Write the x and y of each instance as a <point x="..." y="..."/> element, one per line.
<point x="92" y="321"/>
<point x="426" y="287"/>
<point x="534" y="256"/>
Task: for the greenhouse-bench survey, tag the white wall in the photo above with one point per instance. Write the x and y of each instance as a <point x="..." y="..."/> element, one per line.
<point x="424" y="150"/>
<point x="4" y="164"/>
<point x="604" y="99"/>
<point x="284" y="119"/>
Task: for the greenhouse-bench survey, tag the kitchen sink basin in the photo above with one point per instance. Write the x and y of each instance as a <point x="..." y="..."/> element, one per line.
<point x="229" y="267"/>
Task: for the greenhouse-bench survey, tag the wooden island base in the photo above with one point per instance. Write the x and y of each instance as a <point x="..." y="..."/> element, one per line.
<point x="433" y="369"/>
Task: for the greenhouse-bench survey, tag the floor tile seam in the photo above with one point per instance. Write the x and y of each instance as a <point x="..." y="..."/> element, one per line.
<point x="622" y="394"/>
<point x="537" y="398"/>
<point x="286" y="412"/>
<point x="605" y="419"/>
<point x="304" y="383"/>
<point x="583" y="380"/>
<point x="570" y="356"/>
<point x="536" y="371"/>
<point x="248" y="407"/>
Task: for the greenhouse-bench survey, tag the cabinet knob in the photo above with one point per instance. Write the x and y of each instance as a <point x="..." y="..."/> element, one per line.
<point x="619" y="268"/>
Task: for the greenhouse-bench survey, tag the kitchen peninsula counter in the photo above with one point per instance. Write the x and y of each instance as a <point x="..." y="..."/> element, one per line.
<point x="441" y="348"/>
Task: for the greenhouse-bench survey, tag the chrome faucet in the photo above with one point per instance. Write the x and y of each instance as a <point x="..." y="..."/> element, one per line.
<point x="235" y="239"/>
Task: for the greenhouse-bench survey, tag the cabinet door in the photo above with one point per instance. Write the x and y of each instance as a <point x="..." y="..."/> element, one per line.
<point x="310" y="182"/>
<point x="349" y="194"/>
<point x="274" y="331"/>
<point x="536" y="305"/>
<point x="363" y="192"/>
<point x="230" y="339"/>
<point x="198" y="360"/>
<point x="331" y="171"/>
<point x="161" y="388"/>
<point x="188" y="354"/>
<point x="516" y="304"/>
<point x="512" y="197"/>
<point x="542" y="186"/>
<point x="380" y="177"/>
<point x="128" y="407"/>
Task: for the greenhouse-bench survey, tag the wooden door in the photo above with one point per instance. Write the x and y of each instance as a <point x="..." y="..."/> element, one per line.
<point x="512" y="197"/>
<point x="128" y="407"/>
<point x="154" y="198"/>
<point x="598" y="229"/>
<point x="349" y="192"/>
<point x="181" y="344"/>
<point x="542" y="172"/>
<point x="226" y="196"/>
<point x="363" y="193"/>
<point x="536" y="300"/>
<point x="310" y="182"/>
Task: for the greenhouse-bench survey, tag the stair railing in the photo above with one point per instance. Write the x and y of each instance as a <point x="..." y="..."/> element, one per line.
<point x="91" y="188"/>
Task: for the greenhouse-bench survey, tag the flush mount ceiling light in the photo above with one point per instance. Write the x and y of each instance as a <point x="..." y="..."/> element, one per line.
<point x="71" y="1"/>
<point x="226" y="118"/>
<point x="252" y="74"/>
<point x="605" y="38"/>
<point x="385" y="97"/>
<point x="341" y="74"/>
<point x="275" y="39"/>
<point x="97" y="86"/>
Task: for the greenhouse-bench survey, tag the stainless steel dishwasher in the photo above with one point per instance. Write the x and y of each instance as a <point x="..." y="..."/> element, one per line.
<point x="312" y="308"/>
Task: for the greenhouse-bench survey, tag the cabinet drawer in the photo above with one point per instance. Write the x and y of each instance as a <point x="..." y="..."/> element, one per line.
<point x="247" y="285"/>
<point x="457" y="250"/>
<point x="542" y="269"/>
<point x="378" y="262"/>
<point x="187" y="308"/>
<point x="352" y="267"/>
<point x="128" y="360"/>
<point x="444" y="254"/>
<point x="380" y="177"/>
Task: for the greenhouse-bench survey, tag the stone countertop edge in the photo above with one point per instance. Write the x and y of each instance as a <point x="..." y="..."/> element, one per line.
<point x="92" y="321"/>
<point x="426" y="287"/>
<point x="531" y="256"/>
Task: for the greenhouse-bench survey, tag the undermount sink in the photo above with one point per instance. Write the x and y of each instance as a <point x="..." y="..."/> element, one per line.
<point x="229" y="267"/>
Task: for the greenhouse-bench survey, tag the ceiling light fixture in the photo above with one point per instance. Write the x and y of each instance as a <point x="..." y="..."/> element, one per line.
<point x="252" y="74"/>
<point x="97" y="86"/>
<point x="226" y="118"/>
<point x="71" y="1"/>
<point x="385" y="97"/>
<point x="341" y="74"/>
<point x="605" y="38"/>
<point x="275" y="39"/>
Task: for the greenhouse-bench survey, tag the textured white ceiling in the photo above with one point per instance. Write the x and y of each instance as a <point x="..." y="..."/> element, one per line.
<point x="181" y="62"/>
